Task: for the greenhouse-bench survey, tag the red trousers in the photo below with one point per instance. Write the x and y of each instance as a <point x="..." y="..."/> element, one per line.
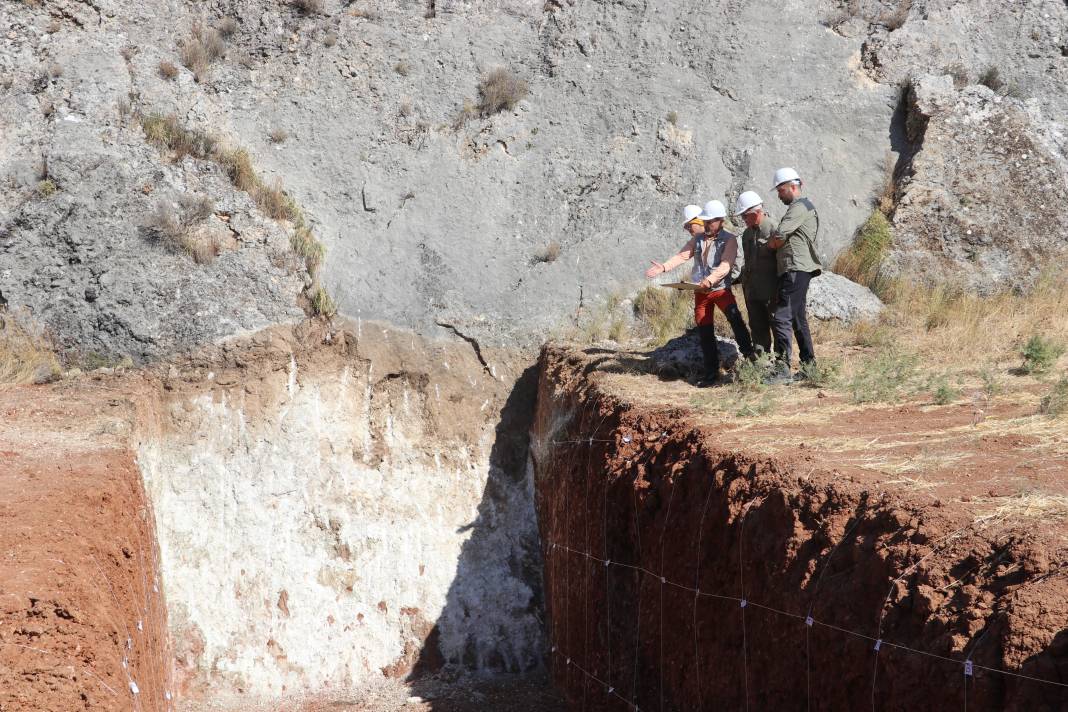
<point x="704" y="304"/>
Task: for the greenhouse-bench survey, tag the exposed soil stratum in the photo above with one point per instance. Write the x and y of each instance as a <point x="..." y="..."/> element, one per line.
<point x="685" y="551"/>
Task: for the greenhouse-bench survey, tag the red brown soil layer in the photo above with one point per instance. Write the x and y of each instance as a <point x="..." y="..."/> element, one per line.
<point x="675" y="501"/>
<point x="80" y="612"/>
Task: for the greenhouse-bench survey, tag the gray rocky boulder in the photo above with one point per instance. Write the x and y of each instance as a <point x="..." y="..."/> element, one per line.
<point x="984" y="204"/>
<point x="681" y="357"/>
<point x="832" y="297"/>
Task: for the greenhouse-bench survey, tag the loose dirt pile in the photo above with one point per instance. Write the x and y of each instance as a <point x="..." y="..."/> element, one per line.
<point x="685" y="550"/>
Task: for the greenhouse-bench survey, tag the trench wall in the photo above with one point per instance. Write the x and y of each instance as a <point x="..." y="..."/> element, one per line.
<point x="653" y="537"/>
<point x="329" y="516"/>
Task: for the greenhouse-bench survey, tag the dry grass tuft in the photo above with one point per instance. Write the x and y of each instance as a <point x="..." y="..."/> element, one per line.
<point x="26" y="353"/>
<point x="177" y="227"/>
<point x="201" y="48"/>
<point x="278" y="135"/>
<point x="308" y="7"/>
<point x="1032" y="504"/>
<point x="227" y="27"/>
<point x="547" y="254"/>
<point x="666" y="312"/>
<point x="941" y="324"/>
<point x="500" y="90"/>
<point x="168" y="70"/>
<point x="322" y="304"/>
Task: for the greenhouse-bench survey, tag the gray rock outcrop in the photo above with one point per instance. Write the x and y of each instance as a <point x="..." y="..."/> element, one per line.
<point x="833" y="297"/>
<point x="435" y="214"/>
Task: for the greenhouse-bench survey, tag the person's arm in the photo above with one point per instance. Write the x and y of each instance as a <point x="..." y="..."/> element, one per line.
<point x="726" y="264"/>
<point x="672" y="262"/>
<point x="791" y="221"/>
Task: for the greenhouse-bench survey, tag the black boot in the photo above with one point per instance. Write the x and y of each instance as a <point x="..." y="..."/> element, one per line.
<point x="710" y="351"/>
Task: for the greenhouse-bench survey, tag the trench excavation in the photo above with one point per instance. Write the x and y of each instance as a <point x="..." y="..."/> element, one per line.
<point x="687" y="570"/>
<point x="292" y="520"/>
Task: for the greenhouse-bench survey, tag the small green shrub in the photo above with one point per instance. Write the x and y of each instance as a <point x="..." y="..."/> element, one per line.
<point x="944" y="392"/>
<point x="749" y="375"/>
<point x="1040" y="354"/>
<point x="1055" y="402"/>
<point x="322" y="304"/>
<point x="46" y="188"/>
<point x="884" y="378"/>
<point x="991" y="379"/>
<point x="824" y="373"/>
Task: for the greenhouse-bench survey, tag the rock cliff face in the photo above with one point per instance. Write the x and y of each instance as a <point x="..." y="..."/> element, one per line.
<point x="632" y="110"/>
<point x="430" y="214"/>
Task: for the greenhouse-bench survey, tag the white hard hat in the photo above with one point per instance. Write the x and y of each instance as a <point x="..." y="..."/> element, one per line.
<point x="748" y="199"/>
<point x="785" y="175"/>
<point x="714" y="210"/>
<point x="690" y="212"/>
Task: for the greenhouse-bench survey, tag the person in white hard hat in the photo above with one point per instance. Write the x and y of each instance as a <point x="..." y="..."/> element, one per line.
<point x="797" y="263"/>
<point x="759" y="271"/>
<point x="714" y="252"/>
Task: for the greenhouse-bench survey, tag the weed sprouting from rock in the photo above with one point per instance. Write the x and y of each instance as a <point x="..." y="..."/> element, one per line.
<point x="168" y="70"/>
<point x="179" y="228"/>
<point x="863" y="260"/>
<point x="500" y="90"/>
<point x="548" y="253"/>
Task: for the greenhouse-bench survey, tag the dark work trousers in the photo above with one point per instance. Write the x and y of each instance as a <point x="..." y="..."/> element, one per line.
<point x="760" y="312"/>
<point x="790" y="315"/>
<point x="709" y="349"/>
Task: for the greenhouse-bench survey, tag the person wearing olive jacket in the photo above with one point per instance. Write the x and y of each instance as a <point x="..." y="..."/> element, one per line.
<point x="794" y="242"/>
<point x="760" y="269"/>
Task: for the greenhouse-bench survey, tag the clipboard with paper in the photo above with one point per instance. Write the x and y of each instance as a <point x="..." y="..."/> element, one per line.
<point x="684" y="286"/>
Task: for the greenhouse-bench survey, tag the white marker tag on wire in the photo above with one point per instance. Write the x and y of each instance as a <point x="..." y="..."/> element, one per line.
<point x="626" y="438"/>
<point x="569" y="661"/>
<point x="743" y="603"/>
<point x="968" y="668"/>
<point x="809" y="621"/>
<point x="611" y="689"/>
<point x="607" y="563"/>
<point x="878" y="644"/>
<point x="663" y="580"/>
<point x="133" y="687"/>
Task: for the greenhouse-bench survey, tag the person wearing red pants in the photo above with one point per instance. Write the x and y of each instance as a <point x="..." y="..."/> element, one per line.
<point x="714" y="252"/>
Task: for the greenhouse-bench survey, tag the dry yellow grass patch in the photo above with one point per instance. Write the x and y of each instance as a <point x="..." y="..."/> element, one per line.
<point x="1032" y="504"/>
<point x="947" y="327"/>
<point x="26" y="354"/>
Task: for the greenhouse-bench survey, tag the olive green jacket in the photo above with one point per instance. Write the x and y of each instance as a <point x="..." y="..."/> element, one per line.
<point x="799" y="227"/>
<point x="760" y="270"/>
